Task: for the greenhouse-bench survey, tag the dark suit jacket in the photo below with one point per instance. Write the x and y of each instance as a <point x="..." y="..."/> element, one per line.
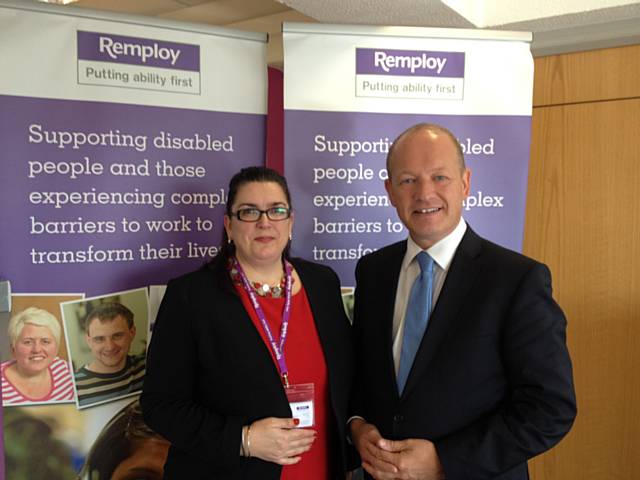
<point x="209" y="373"/>
<point x="491" y="384"/>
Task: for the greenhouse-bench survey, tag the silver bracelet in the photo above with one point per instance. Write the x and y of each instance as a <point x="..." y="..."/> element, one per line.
<point x="248" y="449"/>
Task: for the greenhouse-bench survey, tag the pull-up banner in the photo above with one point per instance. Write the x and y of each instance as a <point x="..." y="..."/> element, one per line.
<point x="350" y="90"/>
<point x="119" y="135"/>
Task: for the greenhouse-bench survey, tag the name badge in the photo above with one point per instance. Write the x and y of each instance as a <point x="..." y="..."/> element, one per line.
<point x="301" y="402"/>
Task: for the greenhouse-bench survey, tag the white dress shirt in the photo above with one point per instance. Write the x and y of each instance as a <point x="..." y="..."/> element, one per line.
<point x="442" y="253"/>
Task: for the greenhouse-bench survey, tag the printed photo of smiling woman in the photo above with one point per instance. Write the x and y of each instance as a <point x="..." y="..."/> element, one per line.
<point x="35" y="374"/>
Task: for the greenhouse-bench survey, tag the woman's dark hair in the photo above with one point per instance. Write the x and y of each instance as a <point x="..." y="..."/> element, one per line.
<point x="244" y="176"/>
<point x="255" y="174"/>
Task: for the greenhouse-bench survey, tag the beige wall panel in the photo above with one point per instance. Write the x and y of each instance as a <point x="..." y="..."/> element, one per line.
<point x="583" y="220"/>
<point x="587" y="76"/>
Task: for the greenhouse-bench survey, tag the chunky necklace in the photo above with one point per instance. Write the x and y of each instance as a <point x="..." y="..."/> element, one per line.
<point x="262" y="289"/>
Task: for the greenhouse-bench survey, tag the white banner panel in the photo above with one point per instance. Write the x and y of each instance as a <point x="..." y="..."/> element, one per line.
<point x="481" y="72"/>
<point x="71" y="51"/>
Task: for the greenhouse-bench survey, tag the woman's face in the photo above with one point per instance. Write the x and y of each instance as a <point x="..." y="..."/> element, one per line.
<point x="260" y="242"/>
<point x="35" y="349"/>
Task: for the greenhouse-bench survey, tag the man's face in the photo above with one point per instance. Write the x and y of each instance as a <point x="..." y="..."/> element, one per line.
<point x="427" y="185"/>
<point x="109" y="342"/>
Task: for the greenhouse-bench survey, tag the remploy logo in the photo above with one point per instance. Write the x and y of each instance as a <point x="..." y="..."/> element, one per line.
<point x="380" y="61"/>
<point x="147" y="52"/>
<point x="115" y="49"/>
<point x="414" y="62"/>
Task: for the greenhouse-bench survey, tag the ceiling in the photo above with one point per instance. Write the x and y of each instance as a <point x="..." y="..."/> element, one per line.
<point x="558" y="25"/>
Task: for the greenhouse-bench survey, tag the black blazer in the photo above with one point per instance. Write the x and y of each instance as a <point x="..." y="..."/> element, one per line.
<point x="491" y="384"/>
<point x="209" y="373"/>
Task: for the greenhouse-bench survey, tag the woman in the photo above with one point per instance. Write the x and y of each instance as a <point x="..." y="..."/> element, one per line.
<point x="37" y="374"/>
<point x="245" y="344"/>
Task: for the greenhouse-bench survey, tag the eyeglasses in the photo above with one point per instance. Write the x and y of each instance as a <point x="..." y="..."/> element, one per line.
<point x="253" y="214"/>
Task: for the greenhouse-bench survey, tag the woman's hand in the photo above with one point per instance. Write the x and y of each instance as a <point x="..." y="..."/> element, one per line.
<point x="278" y="440"/>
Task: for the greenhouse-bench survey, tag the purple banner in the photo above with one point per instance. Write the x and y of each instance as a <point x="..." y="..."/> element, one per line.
<point x="380" y="61"/>
<point x="335" y="165"/>
<point x="107" y="47"/>
<point x="101" y="197"/>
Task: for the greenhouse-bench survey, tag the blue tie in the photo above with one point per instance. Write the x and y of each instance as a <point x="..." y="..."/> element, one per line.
<point x="415" y="322"/>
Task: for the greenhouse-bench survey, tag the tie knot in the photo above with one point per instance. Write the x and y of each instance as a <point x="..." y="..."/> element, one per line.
<point x="426" y="262"/>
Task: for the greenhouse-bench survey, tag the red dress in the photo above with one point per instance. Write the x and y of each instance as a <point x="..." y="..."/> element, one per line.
<point x="306" y="364"/>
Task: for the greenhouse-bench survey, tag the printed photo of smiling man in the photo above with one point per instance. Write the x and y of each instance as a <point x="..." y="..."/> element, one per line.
<point x="108" y="350"/>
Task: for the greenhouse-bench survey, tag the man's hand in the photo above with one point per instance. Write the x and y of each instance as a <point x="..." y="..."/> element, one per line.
<point x="415" y="459"/>
<point x="366" y="437"/>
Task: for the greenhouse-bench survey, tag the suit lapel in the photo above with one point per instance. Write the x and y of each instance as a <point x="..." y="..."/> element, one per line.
<point x="444" y="317"/>
<point x="386" y="298"/>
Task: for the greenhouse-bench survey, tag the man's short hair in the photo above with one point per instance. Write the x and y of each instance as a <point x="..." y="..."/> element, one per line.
<point x="107" y="312"/>
<point x="431" y="127"/>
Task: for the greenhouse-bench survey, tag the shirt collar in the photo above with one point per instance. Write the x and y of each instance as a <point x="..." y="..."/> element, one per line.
<point x="442" y="252"/>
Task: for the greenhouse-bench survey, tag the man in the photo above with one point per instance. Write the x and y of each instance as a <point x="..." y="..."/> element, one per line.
<point x="112" y="373"/>
<point x="487" y="383"/>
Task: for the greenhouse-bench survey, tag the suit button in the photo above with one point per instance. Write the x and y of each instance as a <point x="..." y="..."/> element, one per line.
<point x="398" y="418"/>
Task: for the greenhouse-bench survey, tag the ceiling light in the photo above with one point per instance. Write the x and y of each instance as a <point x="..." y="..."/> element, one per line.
<point x="58" y="2"/>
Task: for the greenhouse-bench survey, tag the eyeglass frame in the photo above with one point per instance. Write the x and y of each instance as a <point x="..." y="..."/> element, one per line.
<point x="236" y="214"/>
